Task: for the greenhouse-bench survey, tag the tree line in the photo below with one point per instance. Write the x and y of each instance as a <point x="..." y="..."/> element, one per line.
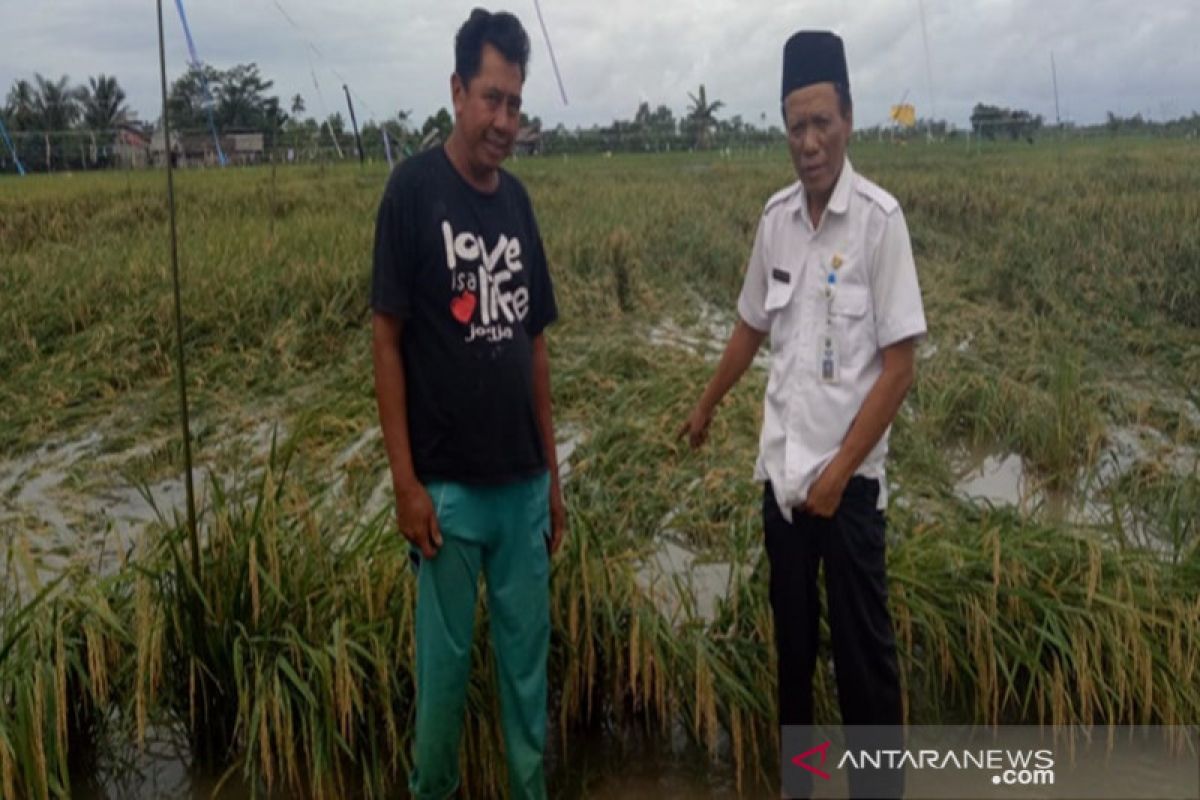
<point x="58" y="125"/>
<point x="55" y="124"/>
<point x="54" y="108"/>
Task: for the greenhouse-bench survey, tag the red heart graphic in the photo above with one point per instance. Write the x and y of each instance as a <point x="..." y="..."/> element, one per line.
<point x="463" y="306"/>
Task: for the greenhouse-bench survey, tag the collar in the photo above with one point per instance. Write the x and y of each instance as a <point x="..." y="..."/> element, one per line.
<point x="839" y="200"/>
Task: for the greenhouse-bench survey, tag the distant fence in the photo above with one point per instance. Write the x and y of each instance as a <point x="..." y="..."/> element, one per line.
<point x="130" y="148"/>
<point x="135" y="148"/>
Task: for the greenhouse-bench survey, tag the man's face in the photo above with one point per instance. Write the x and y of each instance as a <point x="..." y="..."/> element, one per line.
<point x="817" y="136"/>
<point x="487" y="111"/>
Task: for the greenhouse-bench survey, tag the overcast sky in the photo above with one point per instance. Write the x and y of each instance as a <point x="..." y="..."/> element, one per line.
<point x="1116" y="55"/>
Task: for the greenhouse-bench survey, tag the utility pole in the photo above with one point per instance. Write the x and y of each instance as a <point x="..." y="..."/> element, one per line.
<point x="354" y="123"/>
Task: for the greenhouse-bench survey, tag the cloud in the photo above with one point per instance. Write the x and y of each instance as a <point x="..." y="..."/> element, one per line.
<point x="1110" y="54"/>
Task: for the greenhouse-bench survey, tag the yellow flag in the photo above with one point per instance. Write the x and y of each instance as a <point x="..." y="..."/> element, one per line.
<point x="904" y="115"/>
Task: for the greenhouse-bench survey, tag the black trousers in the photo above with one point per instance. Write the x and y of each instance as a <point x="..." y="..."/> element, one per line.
<point x="851" y="544"/>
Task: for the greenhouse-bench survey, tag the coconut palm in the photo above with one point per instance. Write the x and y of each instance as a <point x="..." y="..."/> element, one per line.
<point x="702" y="115"/>
<point x="103" y="103"/>
<point x="19" y="106"/>
<point x="55" y="103"/>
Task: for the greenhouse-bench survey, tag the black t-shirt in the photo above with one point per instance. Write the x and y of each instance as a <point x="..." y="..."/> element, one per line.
<point x="467" y="274"/>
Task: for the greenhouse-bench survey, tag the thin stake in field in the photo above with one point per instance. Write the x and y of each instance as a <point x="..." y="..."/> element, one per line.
<point x="183" y="404"/>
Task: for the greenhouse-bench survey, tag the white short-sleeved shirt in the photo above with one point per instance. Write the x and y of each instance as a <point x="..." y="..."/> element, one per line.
<point x="875" y="302"/>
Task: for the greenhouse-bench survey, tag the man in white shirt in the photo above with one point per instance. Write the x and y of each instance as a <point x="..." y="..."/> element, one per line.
<point x="832" y="280"/>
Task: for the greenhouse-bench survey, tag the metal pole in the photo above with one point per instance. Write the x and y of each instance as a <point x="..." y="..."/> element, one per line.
<point x="183" y="403"/>
<point x="387" y="148"/>
<point x="1054" y="77"/>
<point x="928" y="61"/>
<point x="549" y="47"/>
<point x="354" y="123"/>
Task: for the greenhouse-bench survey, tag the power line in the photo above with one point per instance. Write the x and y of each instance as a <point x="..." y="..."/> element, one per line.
<point x="303" y="34"/>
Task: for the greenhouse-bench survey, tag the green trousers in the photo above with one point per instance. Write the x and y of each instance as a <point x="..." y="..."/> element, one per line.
<point x="504" y="531"/>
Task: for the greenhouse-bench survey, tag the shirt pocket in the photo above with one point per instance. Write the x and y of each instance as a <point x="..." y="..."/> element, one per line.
<point x="780" y="285"/>
<point x="777" y="305"/>
<point x="850" y="308"/>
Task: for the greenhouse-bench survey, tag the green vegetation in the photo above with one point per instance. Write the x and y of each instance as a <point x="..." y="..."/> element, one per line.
<point x="1063" y="294"/>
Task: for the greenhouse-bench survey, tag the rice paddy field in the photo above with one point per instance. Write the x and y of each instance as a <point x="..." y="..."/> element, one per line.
<point x="1045" y="518"/>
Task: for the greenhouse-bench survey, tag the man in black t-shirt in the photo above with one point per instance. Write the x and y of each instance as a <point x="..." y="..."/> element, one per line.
<point x="462" y="296"/>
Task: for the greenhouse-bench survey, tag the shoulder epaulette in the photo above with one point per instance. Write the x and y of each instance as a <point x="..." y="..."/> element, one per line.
<point x="876" y="195"/>
<point x="782" y="196"/>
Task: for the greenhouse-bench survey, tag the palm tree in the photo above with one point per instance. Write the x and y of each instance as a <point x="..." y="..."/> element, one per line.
<point x="297" y="106"/>
<point x="702" y="115"/>
<point x="56" y="109"/>
<point x="55" y="103"/>
<point x="19" y="106"/>
<point x="103" y="103"/>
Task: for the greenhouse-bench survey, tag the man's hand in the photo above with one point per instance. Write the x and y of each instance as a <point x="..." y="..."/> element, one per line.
<point x="739" y="353"/>
<point x="558" y="517"/>
<point x="417" y="519"/>
<point x="877" y="412"/>
<point x="695" y="427"/>
<point x="826" y="494"/>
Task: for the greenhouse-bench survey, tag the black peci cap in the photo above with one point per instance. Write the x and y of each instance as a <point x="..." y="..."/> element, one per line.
<point x="813" y="57"/>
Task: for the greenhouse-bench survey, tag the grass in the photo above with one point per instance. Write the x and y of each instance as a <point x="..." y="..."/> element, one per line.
<point x="1061" y="289"/>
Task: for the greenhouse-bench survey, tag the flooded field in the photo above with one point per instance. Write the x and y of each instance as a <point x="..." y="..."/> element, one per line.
<point x="1044" y="471"/>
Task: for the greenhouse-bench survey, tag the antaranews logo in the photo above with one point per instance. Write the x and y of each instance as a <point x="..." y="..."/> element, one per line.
<point x="971" y="762"/>
<point x="823" y="751"/>
<point x="1006" y="767"/>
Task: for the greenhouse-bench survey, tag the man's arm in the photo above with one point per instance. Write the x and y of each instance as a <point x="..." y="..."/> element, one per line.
<point x="878" y="411"/>
<point x="545" y="420"/>
<point x="739" y="354"/>
<point x="414" y="510"/>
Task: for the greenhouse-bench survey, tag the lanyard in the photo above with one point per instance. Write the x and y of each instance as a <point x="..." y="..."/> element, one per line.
<point x="828" y="360"/>
<point x="831" y="285"/>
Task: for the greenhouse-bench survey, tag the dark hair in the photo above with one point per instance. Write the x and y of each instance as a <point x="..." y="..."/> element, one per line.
<point x="501" y="30"/>
<point x="845" y="103"/>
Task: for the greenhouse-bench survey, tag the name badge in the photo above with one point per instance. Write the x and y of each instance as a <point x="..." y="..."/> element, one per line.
<point x="829" y="359"/>
<point x="781" y="276"/>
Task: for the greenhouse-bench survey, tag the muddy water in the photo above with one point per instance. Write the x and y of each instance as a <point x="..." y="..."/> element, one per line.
<point x="161" y="770"/>
<point x="606" y="764"/>
<point x="631" y="764"/>
<point x="705" y="335"/>
<point x="77" y="500"/>
<point x="683" y="584"/>
<point x="999" y="478"/>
